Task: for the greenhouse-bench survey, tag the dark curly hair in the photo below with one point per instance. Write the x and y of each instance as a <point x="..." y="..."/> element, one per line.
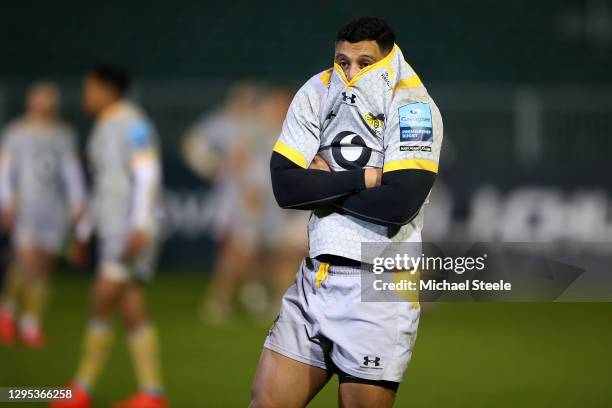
<point x="368" y="29"/>
<point x="113" y="76"/>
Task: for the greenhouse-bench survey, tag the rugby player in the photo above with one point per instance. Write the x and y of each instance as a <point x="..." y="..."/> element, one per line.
<point x="359" y="148"/>
<point x="41" y="193"/>
<point x="124" y="156"/>
<point x="222" y="148"/>
<point x="283" y="232"/>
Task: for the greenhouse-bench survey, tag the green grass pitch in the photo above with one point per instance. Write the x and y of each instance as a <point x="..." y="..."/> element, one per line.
<point x="466" y="355"/>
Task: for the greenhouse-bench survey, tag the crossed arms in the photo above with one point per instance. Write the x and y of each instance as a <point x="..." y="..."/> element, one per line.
<point x="390" y="198"/>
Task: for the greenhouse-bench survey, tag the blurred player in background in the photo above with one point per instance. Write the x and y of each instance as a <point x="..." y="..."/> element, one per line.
<point x="125" y="160"/>
<point x="42" y="193"/>
<point x="282" y="237"/>
<point x="221" y="148"/>
<point x="257" y="240"/>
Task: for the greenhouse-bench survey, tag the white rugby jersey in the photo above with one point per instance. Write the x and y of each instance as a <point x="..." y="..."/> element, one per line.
<point x="122" y="137"/>
<point x="382" y="118"/>
<point x="40" y="172"/>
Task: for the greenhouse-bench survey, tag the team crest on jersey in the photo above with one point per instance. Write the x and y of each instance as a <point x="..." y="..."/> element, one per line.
<point x="376" y="121"/>
<point x="415" y="123"/>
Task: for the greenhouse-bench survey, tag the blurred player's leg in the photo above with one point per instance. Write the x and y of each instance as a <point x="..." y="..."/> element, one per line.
<point x="37" y="265"/>
<point x="285" y="383"/>
<point x="143" y="341"/>
<point x="234" y="261"/>
<point x="26" y="294"/>
<point x="97" y="344"/>
<point x="10" y="298"/>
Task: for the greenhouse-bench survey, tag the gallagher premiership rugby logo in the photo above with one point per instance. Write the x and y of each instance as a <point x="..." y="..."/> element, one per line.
<point x="350" y="151"/>
<point x="415" y="123"/>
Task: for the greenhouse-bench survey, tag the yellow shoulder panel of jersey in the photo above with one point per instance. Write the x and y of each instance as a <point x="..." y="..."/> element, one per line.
<point x="412" y="164"/>
<point x="326" y="76"/>
<point x="408" y="83"/>
<point x="290" y="153"/>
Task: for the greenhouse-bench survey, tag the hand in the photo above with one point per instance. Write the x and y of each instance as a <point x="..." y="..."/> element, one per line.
<point x="373" y="177"/>
<point x="8" y="220"/>
<point x="319" y="164"/>
<point x="76" y="214"/>
<point x="79" y="253"/>
<point x="136" y="243"/>
<point x="253" y="201"/>
<point x="237" y="160"/>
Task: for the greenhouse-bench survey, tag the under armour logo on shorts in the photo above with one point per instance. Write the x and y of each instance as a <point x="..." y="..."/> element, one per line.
<point x="367" y="360"/>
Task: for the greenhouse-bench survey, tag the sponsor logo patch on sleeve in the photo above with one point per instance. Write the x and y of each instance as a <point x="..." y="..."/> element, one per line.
<point x="140" y="135"/>
<point x="415" y="123"/>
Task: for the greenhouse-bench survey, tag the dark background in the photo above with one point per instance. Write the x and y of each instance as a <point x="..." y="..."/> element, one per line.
<point x="494" y="41"/>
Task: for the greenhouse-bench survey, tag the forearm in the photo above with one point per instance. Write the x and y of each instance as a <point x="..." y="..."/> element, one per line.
<point x="307" y="189"/>
<point x="145" y="185"/>
<point x="74" y="182"/>
<point x="84" y="228"/>
<point x="7" y="194"/>
<point x="396" y="202"/>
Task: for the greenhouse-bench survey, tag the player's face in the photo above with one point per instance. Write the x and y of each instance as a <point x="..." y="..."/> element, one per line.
<point x="43" y="101"/>
<point x="96" y="95"/>
<point x="353" y="57"/>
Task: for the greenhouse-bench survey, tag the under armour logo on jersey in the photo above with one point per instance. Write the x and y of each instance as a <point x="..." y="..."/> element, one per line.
<point x="351" y="98"/>
<point x="367" y="361"/>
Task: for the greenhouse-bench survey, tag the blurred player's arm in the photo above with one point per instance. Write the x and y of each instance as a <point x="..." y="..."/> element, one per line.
<point x="146" y="172"/>
<point x="74" y="181"/>
<point x="7" y="188"/>
<point x="76" y="191"/>
<point x="198" y="154"/>
<point x="145" y="169"/>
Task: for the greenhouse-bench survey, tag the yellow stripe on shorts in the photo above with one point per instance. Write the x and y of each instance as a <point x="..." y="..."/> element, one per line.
<point x="322" y="273"/>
